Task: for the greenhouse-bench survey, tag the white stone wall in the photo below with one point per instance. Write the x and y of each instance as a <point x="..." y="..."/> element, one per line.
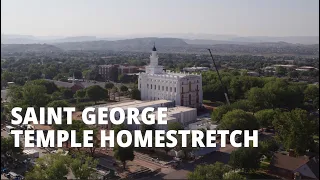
<point x="186" y="117"/>
<point x="184" y="89"/>
<point x="172" y="87"/>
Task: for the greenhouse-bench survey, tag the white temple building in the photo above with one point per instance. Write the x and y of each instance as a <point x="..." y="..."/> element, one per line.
<point x="184" y="89"/>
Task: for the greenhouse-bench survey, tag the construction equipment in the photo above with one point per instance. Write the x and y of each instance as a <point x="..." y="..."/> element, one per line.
<point x="224" y="87"/>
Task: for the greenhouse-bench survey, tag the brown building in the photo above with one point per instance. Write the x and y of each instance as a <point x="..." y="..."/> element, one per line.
<point x="111" y="72"/>
<point x="290" y="167"/>
<point x="127" y="69"/>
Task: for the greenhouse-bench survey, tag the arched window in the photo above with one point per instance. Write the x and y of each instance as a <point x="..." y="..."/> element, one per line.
<point x="189" y="99"/>
<point x="189" y="86"/>
<point x="181" y="100"/>
<point x="182" y="89"/>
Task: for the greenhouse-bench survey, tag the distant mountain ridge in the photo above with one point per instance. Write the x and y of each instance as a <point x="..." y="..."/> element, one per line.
<point x="137" y="44"/>
<point x="189" y="38"/>
<point x="22" y="48"/>
<point x="169" y="45"/>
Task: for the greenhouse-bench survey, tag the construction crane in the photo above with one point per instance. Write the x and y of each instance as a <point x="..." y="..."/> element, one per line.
<point x="224" y="87"/>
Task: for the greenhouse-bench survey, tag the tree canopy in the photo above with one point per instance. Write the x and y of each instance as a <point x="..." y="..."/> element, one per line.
<point x="265" y="117"/>
<point x="123" y="154"/>
<point x="211" y="171"/>
<point x="97" y="93"/>
<point x="246" y="159"/>
<point x="57" y="166"/>
<point x="238" y="120"/>
<point x="295" y="130"/>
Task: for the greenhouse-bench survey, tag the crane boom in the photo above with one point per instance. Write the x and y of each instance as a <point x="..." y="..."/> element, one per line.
<point x="224" y="88"/>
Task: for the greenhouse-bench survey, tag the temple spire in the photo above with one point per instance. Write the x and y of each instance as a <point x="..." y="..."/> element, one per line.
<point x="154" y="47"/>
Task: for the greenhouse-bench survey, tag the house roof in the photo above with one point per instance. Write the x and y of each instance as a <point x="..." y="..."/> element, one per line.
<point x="287" y="162"/>
<point x="78" y="85"/>
<point x="313" y="164"/>
<point x="83" y="84"/>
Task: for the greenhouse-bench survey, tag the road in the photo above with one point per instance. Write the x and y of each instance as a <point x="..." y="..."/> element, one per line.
<point x="222" y="155"/>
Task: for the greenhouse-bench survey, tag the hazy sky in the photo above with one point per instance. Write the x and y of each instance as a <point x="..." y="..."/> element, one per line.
<point x="126" y="17"/>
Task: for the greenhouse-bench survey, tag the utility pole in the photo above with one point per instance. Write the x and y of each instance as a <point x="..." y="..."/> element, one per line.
<point x="224" y="87"/>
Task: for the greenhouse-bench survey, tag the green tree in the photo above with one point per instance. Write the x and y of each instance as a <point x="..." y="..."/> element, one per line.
<point x="48" y="167"/>
<point x="281" y="71"/>
<point x="311" y="93"/>
<point x="86" y="74"/>
<point x="316" y="103"/>
<point x="238" y="120"/>
<point x="175" y="126"/>
<point x="219" y="112"/>
<point x="77" y="74"/>
<point x="260" y="98"/>
<point x="80" y="126"/>
<point x="188" y="149"/>
<point x="7" y="76"/>
<point x="7" y="146"/>
<point x="211" y="171"/>
<point x="35" y="95"/>
<point x="120" y="78"/>
<point x="123" y="154"/>
<point x="97" y="93"/>
<point x="82" y="166"/>
<point x="80" y="94"/>
<point x="246" y="159"/>
<point x="265" y="117"/>
<point x="268" y="147"/>
<point x="51" y="87"/>
<point x="283" y="94"/>
<point x="123" y="88"/>
<point x="293" y="74"/>
<point x="109" y="85"/>
<point x="56" y="95"/>
<point x="295" y="130"/>
<point x="66" y="93"/>
<point x="15" y="93"/>
<point x="243" y="105"/>
<point x="58" y="103"/>
<point x="135" y="94"/>
<point x="95" y="141"/>
<point x="233" y="176"/>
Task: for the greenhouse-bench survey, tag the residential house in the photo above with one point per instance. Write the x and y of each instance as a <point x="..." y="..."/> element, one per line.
<point x="288" y="166"/>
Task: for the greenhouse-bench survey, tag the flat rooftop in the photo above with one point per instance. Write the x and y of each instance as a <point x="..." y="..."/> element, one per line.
<point x="284" y="65"/>
<point x="135" y="104"/>
<point x="179" y="109"/>
<point x="168" y="118"/>
<point x="171" y="111"/>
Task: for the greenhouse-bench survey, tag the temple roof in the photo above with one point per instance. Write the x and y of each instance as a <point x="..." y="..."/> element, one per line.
<point x="154" y="48"/>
